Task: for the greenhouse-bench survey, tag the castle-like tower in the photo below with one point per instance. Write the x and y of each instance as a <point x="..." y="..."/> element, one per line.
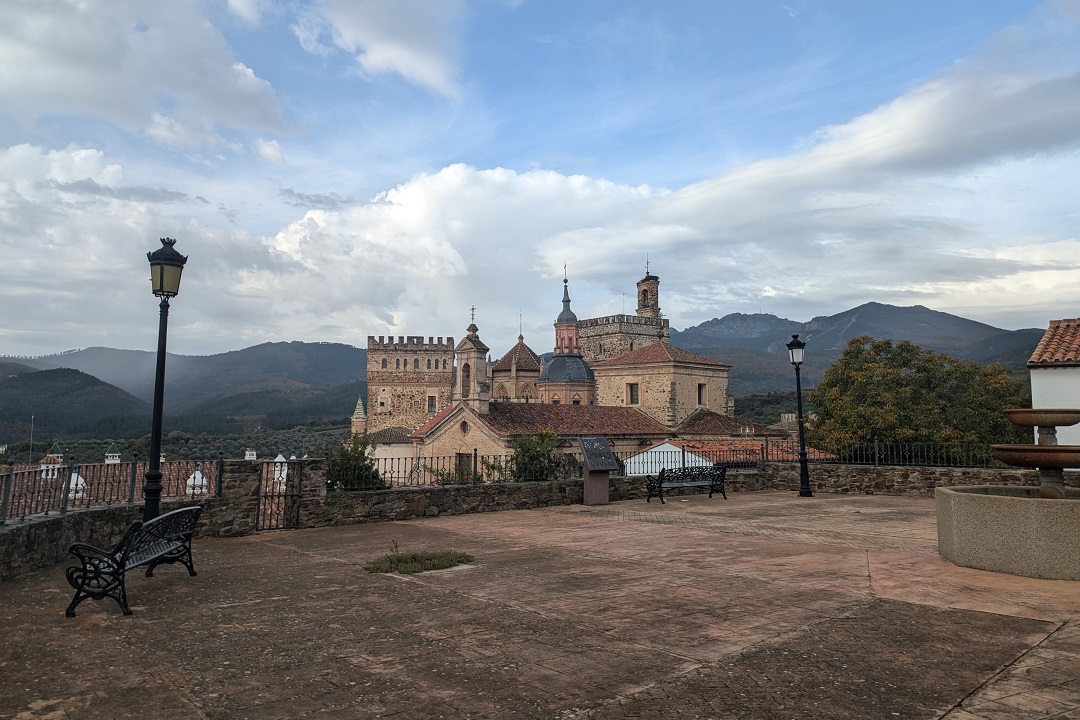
<point x="408" y="380"/>
<point x="606" y="337"/>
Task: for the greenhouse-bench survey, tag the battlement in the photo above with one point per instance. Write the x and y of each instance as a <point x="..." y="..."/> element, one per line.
<point x="410" y="342"/>
<point x="620" y="320"/>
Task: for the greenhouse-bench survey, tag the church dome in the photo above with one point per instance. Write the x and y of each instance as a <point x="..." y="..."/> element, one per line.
<point x="567" y="369"/>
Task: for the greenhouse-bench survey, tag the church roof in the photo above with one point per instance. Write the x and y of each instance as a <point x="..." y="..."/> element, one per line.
<point x="573" y="420"/>
<point x="1060" y="345"/>
<point x="389" y="436"/>
<point x="567" y="368"/>
<point x="521" y="354"/>
<point x="660" y="352"/>
<point x="708" y="422"/>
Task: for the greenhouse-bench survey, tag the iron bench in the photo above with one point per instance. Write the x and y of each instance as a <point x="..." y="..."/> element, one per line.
<point x="100" y="574"/>
<point x="710" y="476"/>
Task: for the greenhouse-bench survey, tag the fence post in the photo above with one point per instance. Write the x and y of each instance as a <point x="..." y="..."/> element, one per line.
<point x="7" y="492"/>
<point x="134" y="472"/>
<point x="220" y="474"/>
<point x="475" y="477"/>
<point x="67" y="487"/>
<point x="877" y="452"/>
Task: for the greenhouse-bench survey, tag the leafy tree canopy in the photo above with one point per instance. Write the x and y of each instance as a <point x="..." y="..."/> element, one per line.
<point x="903" y="393"/>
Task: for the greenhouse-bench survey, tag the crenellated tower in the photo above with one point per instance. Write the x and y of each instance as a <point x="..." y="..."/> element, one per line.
<point x="408" y="380"/>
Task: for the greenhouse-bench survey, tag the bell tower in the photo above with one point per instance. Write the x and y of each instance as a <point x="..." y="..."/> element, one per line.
<point x="648" y="295"/>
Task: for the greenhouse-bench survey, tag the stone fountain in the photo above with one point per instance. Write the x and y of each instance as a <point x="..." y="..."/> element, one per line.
<point x="1029" y="531"/>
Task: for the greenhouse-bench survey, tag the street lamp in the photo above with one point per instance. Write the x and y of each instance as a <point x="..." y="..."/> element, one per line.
<point x="796" y="349"/>
<point x="166" y="266"/>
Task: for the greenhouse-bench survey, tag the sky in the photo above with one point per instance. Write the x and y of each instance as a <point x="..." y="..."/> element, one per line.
<point x="335" y="169"/>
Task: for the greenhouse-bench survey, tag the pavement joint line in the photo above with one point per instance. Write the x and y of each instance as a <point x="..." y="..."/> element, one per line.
<point x="1003" y="671"/>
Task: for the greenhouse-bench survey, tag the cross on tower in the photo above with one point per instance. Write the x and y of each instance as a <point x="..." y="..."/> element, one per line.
<point x="472" y="310"/>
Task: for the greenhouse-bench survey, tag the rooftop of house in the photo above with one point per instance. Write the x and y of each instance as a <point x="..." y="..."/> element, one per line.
<point x="708" y="422"/>
<point x="570" y="420"/>
<point x="659" y="352"/>
<point x="1060" y="345"/>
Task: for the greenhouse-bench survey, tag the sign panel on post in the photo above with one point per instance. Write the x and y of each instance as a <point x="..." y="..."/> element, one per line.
<point x="598" y="455"/>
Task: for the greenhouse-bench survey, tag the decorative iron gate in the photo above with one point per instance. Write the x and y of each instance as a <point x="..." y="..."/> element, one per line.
<point x="280" y="488"/>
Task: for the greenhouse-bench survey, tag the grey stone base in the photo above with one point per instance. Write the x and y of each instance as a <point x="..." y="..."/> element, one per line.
<point x="1010" y="530"/>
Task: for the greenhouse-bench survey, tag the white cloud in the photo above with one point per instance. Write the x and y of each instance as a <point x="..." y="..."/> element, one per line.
<point x="156" y="67"/>
<point x="412" y="38"/>
<point x="270" y="150"/>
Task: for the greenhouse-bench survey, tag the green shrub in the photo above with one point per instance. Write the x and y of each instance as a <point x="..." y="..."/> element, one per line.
<point x="414" y="562"/>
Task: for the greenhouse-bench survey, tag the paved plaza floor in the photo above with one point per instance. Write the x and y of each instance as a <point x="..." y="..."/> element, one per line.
<point x="766" y="605"/>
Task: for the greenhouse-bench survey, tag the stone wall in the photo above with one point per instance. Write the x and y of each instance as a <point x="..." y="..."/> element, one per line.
<point x="892" y="480"/>
<point x="42" y="541"/>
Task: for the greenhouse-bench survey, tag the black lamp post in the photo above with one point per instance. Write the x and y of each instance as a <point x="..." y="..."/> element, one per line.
<point x="796" y="349"/>
<point x="166" y="266"/>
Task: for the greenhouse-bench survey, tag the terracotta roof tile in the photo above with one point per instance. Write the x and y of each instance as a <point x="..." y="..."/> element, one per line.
<point x="658" y="352"/>
<point x="433" y="421"/>
<point x="778" y="450"/>
<point x="574" y="420"/>
<point x="1060" y="345"/>
<point x="523" y="354"/>
<point x="707" y="422"/>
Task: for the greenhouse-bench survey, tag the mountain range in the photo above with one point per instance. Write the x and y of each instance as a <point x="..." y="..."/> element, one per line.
<point x="281" y="385"/>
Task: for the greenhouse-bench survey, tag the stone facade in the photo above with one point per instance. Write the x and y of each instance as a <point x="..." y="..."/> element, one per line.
<point x="606" y="337"/>
<point x="409" y="380"/>
<point x="666" y="383"/>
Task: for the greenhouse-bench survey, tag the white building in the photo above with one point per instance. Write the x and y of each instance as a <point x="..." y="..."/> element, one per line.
<point x="1055" y="373"/>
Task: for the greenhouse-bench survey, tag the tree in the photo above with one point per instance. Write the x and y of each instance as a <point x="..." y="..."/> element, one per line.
<point x="903" y="393"/>
<point x="536" y="458"/>
<point x="349" y="466"/>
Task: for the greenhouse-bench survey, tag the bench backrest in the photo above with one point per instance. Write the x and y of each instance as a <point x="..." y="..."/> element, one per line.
<point x="692" y="471"/>
<point x="160" y="535"/>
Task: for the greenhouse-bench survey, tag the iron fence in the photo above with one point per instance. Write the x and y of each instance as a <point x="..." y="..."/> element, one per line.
<point x="48" y="489"/>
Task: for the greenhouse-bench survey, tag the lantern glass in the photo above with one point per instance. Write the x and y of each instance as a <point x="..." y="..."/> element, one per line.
<point x="166" y="279"/>
<point x="166" y="266"/>
<point x="796" y="349"/>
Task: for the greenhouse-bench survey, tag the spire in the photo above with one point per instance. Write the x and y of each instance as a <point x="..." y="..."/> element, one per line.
<point x="567" y="315"/>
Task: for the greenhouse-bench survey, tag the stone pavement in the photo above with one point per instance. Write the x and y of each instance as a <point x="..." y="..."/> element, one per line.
<point x="763" y="606"/>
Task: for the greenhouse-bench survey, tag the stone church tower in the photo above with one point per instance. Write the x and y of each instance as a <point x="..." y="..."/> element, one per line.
<point x="606" y="337"/>
<point x="472" y="385"/>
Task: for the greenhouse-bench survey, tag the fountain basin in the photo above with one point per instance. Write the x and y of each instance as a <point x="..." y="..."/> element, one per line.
<point x="1010" y="530"/>
<point x="1041" y="456"/>
<point x="1045" y="417"/>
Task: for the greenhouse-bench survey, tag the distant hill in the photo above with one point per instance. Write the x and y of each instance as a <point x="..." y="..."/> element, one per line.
<point x="287" y="384"/>
<point x="194" y="379"/>
<point x="68" y="403"/>
<point x="755" y="344"/>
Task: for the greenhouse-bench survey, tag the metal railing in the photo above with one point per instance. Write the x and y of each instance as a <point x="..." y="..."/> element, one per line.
<point x="47" y="489"/>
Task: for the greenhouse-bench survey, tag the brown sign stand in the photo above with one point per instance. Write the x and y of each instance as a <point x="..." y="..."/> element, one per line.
<point x="599" y="461"/>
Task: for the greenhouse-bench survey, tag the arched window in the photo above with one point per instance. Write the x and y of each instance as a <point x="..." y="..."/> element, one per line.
<point x="429" y="364"/>
<point x="384" y="363"/>
<point x="644" y="298"/>
<point x="416" y="364"/>
<point x="466" y="380"/>
<point x="631" y="346"/>
<point x="397" y="363"/>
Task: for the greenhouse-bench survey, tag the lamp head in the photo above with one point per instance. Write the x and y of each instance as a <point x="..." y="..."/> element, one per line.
<point x="796" y="349"/>
<point x="166" y="266"/>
